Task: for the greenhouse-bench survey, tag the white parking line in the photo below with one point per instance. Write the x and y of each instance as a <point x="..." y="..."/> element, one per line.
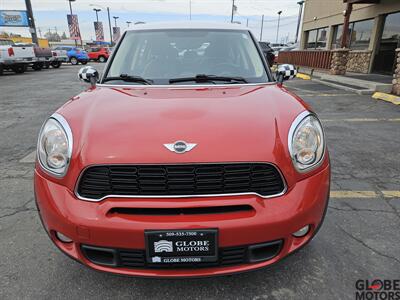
<point x="30" y="158"/>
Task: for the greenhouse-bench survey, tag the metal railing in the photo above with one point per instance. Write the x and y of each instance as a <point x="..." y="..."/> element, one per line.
<point x="313" y="59"/>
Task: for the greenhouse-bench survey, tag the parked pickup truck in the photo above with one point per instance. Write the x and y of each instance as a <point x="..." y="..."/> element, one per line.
<point x="43" y="57"/>
<point x="15" y="58"/>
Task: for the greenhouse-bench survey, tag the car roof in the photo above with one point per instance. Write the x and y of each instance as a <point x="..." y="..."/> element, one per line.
<point x="188" y="25"/>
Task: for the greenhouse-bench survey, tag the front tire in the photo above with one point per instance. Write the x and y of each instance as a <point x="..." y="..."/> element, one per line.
<point x="102" y="59"/>
<point x="84" y="62"/>
<point x="56" y="64"/>
<point x="74" y="61"/>
<point x="1" y="69"/>
<point x="19" y="69"/>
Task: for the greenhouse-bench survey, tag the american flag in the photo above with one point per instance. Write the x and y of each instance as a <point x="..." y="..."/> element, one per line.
<point x="73" y="25"/>
<point x="98" y="28"/>
<point x="116" y="34"/>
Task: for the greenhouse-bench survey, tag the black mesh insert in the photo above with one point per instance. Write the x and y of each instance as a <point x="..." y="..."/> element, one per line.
<point x="177" y="180"/>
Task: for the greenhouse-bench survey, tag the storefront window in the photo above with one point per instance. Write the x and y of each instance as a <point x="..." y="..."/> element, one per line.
<point x="391" y="31"/>
<point x="361" y="34"/>
<point x="312" y="37"/>
<point x="317" y="38"/>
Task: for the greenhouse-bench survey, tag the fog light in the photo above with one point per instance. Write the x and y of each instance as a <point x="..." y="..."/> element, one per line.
<point x="302" y="232"/>
<point x="63" y="238"/>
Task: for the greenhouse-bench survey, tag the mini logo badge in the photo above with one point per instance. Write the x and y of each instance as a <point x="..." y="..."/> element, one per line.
<point x="163" y="246"/>
<point x="180" y="147"/>
<point x="156" y="259"/>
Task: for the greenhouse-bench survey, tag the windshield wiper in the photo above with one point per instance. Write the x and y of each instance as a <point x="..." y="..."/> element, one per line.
<point x="207" y="78"/>
<point x="129" y="78"/>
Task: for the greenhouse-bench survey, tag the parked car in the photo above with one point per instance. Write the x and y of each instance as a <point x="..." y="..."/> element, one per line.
<point x="61" y="55"/>
<point x="278" y="46"/>
<point x="99" y="54"/>
<point x="43" y="57"/>
<point x="188" y="165"/>
<point x="13" y="57"/>
<point x="75" y="55"/>
<point x="268" y="53"/>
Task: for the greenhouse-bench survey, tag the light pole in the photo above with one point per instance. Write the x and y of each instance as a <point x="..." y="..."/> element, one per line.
<point x="115" y="19"/>
<point x="277" y="30"/>
<point x="233" y="10"/>
<point x="97" y="13"/>
<point x="262" y="27"/>
<point x="128" y="23"/>
<point x="70" y="9"/>
<point x="300" y="3"/>
<point x="109" y="20"/>
<point x="190" y="10"/>
<point x="32" y="27"/>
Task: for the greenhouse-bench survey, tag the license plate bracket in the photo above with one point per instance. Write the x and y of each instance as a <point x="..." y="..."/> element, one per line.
<point x="181" y="246"/>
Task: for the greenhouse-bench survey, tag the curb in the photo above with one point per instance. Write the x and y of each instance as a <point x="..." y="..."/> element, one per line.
<point x="303" y="76"/>
<point x="387" y="97"/>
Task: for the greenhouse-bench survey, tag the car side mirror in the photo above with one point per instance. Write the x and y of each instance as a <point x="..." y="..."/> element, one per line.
<point x="285" y="72"/>
<point x="89" y="74"/>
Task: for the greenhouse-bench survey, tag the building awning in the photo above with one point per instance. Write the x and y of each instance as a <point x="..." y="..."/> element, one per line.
<point x="361" y="1"/>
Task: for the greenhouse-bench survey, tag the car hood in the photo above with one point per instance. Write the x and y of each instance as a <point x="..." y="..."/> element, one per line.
<point x="228" y="123"/>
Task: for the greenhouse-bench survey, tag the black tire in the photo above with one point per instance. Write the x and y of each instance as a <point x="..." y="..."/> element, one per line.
<point x="1" y="69"/>
<point x="19" y="69"/>
<point x="84" y="62"/>
<point x="74" y="61"/>
<point x="56" y="64"/>
<point x="37" y="66"/>
<point x="102" y="59"/>
<point x="46" y="65"/>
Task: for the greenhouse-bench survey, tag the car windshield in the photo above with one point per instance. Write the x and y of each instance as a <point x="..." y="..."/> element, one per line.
<point x="172" y="56"/>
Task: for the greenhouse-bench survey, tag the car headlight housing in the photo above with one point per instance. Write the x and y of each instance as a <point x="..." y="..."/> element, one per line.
<point x="306" y="142"/>
<point x="55" y="146"/>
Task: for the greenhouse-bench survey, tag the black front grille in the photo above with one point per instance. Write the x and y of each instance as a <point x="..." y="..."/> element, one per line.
<point x="136" y="258"/>
<point x="176" y="180"/>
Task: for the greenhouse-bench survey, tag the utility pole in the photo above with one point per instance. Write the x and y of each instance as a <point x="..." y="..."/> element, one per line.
<point x="32" y="27"/>
<point x="300" y="3"/>
<point x="247" y="22"/>
<point x="345" y="36"/>
<point x="233" y="10"/>
<point x="262" y="27"/>
<point x="97" y="13"/>
<point x="279" y="20"/>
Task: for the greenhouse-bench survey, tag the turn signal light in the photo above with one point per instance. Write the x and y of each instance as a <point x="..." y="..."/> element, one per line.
<point x="63" y="238"/>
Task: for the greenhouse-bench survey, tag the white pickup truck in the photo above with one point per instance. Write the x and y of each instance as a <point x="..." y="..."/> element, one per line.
<point x="15" y="58"/>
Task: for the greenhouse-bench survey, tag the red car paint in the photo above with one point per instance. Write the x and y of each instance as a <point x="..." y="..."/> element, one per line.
<point x="235" y="123"/>
<point x="96" y="53"/>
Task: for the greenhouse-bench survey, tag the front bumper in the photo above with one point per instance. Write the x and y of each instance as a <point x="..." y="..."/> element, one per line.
<point x="88" y="223"/>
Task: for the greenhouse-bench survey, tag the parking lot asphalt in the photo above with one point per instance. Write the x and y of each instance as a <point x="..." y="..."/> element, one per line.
<point x="360" y="238"/>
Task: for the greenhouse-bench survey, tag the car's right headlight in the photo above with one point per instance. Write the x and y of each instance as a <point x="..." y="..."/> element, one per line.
<point x="306" y="142"/>
<point x="54" y="147"/>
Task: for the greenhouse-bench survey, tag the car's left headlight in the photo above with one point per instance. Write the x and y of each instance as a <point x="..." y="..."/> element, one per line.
<point x="306" y="142"/>
<point x="54" y="147"/>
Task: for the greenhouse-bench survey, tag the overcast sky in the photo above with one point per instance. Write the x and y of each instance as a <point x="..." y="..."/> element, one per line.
<point x="52" y="13"/>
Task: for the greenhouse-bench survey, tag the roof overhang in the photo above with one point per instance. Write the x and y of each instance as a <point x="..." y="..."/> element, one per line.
<point x="362" y="1"/>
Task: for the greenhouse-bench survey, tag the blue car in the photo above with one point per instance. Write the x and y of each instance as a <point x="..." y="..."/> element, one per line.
<point x="75" y="55"/>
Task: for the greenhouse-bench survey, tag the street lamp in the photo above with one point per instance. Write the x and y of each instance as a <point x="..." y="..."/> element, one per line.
<point x="109" y="20"/>
<point x="277" y="30"/>
<point x="97" y="13"/>
<point x="70" y="9"/>
<point x="300" y="3"/>
<point x="128" y="23"/>
<point x="115" y="19"/>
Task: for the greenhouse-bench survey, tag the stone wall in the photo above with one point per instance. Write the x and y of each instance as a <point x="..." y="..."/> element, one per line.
<point x="358" y="61"/>
<point x="339" y="61"/>
<point x="396" y="75"/>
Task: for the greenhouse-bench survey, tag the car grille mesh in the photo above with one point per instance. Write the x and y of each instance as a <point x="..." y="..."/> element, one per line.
<point x="98" y="182"/>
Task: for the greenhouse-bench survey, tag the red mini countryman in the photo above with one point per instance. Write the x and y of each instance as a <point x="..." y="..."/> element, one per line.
<point x="186" y="157"/>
